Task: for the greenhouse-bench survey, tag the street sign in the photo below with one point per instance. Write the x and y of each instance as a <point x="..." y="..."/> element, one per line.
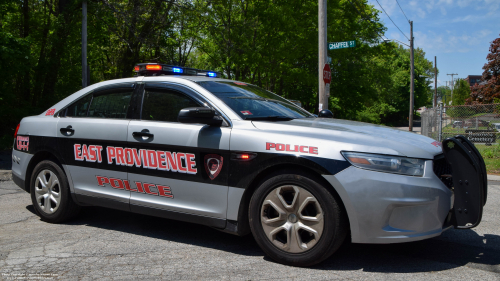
<point x="327" y="74"/>
<point x="341" y="45"/>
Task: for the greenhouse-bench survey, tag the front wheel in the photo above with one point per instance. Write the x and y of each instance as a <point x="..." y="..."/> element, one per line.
<point x="296" y="220"/>
<point x="50" y="193"/>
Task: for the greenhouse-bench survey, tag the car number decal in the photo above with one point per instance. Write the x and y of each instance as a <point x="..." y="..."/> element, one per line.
<point x="23" y="143"/>
<point x="150" y="159"/>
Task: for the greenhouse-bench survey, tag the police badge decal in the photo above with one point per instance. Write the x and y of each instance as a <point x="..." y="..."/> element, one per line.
<point x="213" y="165"/>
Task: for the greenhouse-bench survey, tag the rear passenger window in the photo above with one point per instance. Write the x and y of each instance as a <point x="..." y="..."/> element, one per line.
<point x="113" y="105"/>
<point x="79" y="108"/>
<point x="164" y="105"/>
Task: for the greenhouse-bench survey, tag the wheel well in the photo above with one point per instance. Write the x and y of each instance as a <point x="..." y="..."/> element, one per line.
<point x="243" y="223"/>
<point x="37" y="158"/>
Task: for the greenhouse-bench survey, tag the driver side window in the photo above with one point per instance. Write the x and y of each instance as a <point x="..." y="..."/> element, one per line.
<point x="164" y="105"/>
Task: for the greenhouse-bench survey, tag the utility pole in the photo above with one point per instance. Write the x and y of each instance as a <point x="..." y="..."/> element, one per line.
<point x="445" y="99"/>
<point x="412" y="79"/>
<point x="322" y="58"/>
<point x="452" y="86"/>
<point x="435" y="82"/>
<point x="84" y="45"/>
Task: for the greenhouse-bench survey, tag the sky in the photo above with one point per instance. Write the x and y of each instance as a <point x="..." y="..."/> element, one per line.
<point x="458" y="32"/>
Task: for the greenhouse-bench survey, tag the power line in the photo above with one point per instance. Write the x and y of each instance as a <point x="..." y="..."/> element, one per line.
<point x="402" y="10"/>
<point x="368" y="19"/>
<point x="392" y="20"/>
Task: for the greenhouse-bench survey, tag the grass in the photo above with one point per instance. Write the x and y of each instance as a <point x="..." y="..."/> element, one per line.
<point x="491" y="156"/>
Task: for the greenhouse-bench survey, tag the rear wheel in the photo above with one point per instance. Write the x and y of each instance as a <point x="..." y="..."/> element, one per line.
<point x="295" y="220"/>
<point x="50" y="193"/>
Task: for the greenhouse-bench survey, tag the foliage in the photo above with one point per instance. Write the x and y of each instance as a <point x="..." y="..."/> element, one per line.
<point x="491" y="156"/>
<point x="489" y="89"/>
<point x="397" y="93"/>
<point x="461" y="92"/>
<point x="444" y="94"/>
<point x="270" y="43"/>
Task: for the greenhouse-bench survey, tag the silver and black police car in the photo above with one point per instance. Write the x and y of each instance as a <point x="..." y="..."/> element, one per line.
<point x="183" y="144"/>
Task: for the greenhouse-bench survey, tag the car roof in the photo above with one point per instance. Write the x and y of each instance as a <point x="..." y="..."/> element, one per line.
<point x="185" y="77"/>
<point x="199" y="78"/>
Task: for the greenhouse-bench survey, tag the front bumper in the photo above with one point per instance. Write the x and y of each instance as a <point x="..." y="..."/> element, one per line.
<point x="391" y="208"/>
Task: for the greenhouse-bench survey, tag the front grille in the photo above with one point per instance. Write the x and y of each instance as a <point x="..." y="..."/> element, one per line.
<point x="443" y="170"/>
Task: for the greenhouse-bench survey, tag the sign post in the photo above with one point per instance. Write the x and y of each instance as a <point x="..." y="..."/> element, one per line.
<point x="341" y="45"/>
<point x="322" y="54"/>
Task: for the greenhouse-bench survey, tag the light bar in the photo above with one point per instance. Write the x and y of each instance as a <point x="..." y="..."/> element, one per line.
<point x="157" y="69"/>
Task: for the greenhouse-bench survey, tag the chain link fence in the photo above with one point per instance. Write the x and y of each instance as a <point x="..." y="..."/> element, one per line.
<point x="479" y="123"/>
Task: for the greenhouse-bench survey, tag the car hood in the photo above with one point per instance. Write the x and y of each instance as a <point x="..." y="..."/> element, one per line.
<point x="357" y="136"/>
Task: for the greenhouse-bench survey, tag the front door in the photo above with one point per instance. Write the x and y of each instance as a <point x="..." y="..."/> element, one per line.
<point x="177" y="168"/>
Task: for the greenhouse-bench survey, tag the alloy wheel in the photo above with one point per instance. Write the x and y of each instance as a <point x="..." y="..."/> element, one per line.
<point x="292" y="218"/>
<point x="47" y="191"/>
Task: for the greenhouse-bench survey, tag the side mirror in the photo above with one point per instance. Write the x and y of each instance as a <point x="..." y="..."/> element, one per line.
<point x="325" y="113"/>
<point x="199" y="115"/>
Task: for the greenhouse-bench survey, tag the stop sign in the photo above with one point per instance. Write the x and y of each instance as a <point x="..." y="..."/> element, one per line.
<point x="327" y="74"/>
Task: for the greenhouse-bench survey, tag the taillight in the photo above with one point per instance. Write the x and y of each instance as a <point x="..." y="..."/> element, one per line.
<point x="17" y="129"/>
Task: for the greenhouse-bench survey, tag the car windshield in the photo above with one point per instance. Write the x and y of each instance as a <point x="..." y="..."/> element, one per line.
<point x="253" y="103"/>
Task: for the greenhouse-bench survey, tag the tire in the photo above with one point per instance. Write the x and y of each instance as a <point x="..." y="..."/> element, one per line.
<point x="296" y="220"/>
<point x="50" y="193"/>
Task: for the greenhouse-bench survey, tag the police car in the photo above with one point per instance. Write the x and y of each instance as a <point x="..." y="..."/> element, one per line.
<point x="184" y="144"/>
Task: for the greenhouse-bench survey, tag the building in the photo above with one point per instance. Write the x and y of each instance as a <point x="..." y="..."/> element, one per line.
<point x="473" y="79"/>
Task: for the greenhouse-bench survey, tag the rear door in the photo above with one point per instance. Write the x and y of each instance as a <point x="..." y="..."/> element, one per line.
<point x="179" y="170"/>
<point x="90" y="132"/>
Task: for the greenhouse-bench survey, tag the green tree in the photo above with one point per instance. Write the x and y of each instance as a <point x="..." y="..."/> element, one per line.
<point x="270" y="43"/>
<point x="444" y="94"/>
<point x="461" y="92"/>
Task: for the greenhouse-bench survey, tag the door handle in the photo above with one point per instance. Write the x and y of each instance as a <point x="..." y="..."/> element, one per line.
<point x="144" y="133"/>
<point x="68" y="131"/>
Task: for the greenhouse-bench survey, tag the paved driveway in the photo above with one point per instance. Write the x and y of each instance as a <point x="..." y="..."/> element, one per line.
<point x="113" y="245"/>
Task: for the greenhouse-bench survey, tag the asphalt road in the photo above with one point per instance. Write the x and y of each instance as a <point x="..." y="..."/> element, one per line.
<point x="112" y="245"/>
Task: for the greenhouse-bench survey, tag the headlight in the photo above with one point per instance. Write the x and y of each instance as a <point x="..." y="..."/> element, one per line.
<point x="386" y="163"/>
